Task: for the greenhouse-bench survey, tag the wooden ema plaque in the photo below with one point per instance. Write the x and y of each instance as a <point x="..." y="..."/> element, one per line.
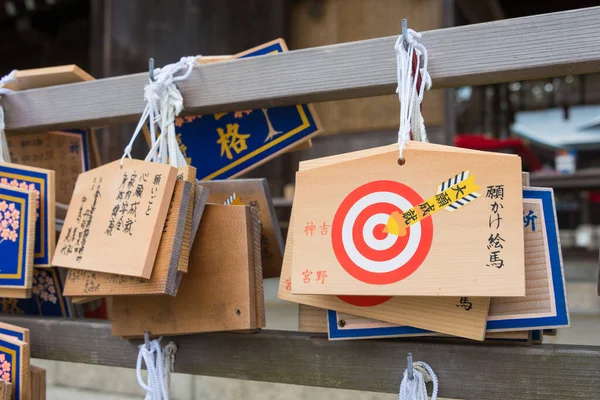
<point x="45" y="297"/>
<point x="116" y="218"/>
<point x="38" y="382"/>
<point x="164" y="272"/>
<point x="188" y="174"/>
<point x="200" y="199"/>
<point x="447" y="223"/>
<point x="41" y="182"/>
<point x="545" y="303"/>
<point x="17" y="234"/>
<point x="14" y="364"/>
<point x="255" y="192"/>
<point x="15" y="331"/>
<point x="220" y="292"/>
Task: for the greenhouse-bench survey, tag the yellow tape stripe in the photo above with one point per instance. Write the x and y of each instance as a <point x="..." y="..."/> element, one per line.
<point x="397" y="223"/>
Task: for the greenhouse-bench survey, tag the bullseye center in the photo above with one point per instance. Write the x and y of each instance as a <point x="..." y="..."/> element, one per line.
<point x="378" y="232"/>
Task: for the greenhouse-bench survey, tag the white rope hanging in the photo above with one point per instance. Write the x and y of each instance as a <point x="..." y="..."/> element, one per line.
<point x="416" y="388"/>
<point x="4" y="152"/>
<point x="159" y="363"/>
<point x="409" y="95"/>
<point x="163" y="103"/>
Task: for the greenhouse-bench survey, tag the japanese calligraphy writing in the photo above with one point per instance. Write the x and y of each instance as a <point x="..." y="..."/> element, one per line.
<point x="321" y="275"/>
<point x="153" y="190"/>
<point x="309" y="229"/>
<point x="465" y="304"/>
<point x="231" y="140"/>
<point x="77" y="236"/>
<point x="125" y="210"/>
<point x="495" y="241"/>
<point x="306" y="276"/>
<point x="529" y="219"/>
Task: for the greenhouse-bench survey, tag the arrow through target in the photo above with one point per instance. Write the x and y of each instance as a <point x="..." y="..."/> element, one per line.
<point x="383" y="230"/>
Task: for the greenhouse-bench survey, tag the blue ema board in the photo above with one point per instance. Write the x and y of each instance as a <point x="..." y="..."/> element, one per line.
<point x="14" y="233"/>
<point x="46" y="298"/>
<point x="10" y="363"/>
<point x="225" y="145"/>
<point x="540" y="225"/>
<point x="39" y="181"/>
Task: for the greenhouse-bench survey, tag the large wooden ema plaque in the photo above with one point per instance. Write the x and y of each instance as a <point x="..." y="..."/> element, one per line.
<point x="116" y="218"/>
<point x="385" y="229"/>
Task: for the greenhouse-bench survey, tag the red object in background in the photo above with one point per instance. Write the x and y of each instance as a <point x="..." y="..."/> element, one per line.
<point x="594" y="197"/>
<point x="96" y="309"/>
<point x="481" y="142"/>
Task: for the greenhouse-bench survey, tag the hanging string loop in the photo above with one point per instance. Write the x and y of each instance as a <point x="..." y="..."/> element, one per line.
<point x="159" y="364"/>
<point x="416" y="388"/>
<point x="413" y="80"/>
<point x="164" y="102"/>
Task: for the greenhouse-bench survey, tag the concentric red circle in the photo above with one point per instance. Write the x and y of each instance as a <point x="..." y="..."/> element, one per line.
<point x="364" y="301"/>
<point x="356" y="271"/>
<point x="359" y="240"/>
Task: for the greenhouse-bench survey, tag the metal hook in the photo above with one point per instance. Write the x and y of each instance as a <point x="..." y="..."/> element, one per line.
<point x="409" y="366"/>
<point x="151" y="68"/>
<point x="147" y="335"/>
<point x="405" y="33"/>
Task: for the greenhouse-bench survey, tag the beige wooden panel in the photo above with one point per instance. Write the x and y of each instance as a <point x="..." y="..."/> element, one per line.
<point x="38" y="382"/>
<point x="120" y="211"/>
<point x="451" y="266"/>
<point x="312" y="319"/>
<point x="254" y="192"/>
<point x="218" y="292"/>
<point x="351" y="20"/>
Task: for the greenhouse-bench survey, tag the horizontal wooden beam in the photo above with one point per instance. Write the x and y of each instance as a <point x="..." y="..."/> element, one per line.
<point x="583" y="179"/>
<point x="472" y="371"/>
<point x="502" y="51"/>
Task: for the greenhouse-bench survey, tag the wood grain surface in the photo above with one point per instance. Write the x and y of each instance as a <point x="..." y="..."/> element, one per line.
<point x="460" y="56"/>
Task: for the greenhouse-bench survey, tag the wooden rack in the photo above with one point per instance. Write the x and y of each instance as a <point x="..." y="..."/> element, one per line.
<point x="504" y="51"/>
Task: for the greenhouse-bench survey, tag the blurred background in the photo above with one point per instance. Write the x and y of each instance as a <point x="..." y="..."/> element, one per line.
<point x="554" y="124"/>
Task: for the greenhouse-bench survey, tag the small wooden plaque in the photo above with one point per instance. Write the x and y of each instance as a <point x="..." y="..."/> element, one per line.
<point x="219" y="291"/>
<point x="188" y="174"/>
<point x="38" y="382"/>
<point x="15" y="331"/>
<point x="17" y="236"/>
<point x="14" y="366"/>
<point x="116" y="217"/>
<point x="545" y="303"/>
<point x="255" y="192"/>
<point x="41" y="182"/>
<point x="385" y="229"/>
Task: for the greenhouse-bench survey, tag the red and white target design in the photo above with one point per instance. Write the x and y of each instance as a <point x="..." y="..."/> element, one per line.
<point x="361" y="246"/>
